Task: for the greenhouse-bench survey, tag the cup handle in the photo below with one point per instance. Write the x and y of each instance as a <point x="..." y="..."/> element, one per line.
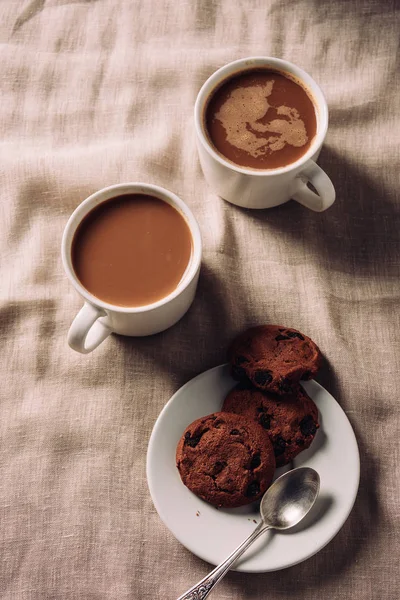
<point x="319" y="179"/>
<point x="84" y="326"/>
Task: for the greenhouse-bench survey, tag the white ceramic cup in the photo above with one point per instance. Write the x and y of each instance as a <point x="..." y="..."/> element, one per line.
<point x="97" y="319"/>
<point x="264" y="188"/>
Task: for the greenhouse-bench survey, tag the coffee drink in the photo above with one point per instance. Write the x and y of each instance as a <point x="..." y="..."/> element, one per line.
<point x="261" y="119"/>
<point x="132" y="250"/>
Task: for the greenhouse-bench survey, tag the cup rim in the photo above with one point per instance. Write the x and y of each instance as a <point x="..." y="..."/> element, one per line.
<point x="108" y="193"/>
<point x="249" y="63"/>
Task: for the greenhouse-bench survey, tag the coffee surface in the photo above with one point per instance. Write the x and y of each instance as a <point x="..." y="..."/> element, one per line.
<point x="132" y="250"/>
<point x="261" y="119"/>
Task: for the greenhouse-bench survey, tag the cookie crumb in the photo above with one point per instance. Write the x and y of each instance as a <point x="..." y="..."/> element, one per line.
<point x="198" y="513"/>
<point x="254" y="521"/>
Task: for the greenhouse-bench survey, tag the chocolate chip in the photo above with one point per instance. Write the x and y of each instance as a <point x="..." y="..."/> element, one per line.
<point x="279" y="445"/>
<point x="239" y="360"/>
<point x="285" y="386"/>
<point x="265" y="420"/>
<point x="253" y="489"/>
<point x="244" y="384"/>
<point x="255" y="462"/>
<point x="294" y="334"/>
<point x="217" y="424"/>
<point x="308" y="426"/>
<point x="306" y="375"/>
<point x="235" y="432"/>
<point x="192" y="441"/>
<point x="238" y="372"/>
<point x="262" y="377"/>
<point x="219" y="466"/>
<point x="300" y="441"/>
<point x="280" y="337"/>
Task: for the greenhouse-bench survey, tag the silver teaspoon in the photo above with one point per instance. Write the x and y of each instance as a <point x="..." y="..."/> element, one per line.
<point x="283" y="505"/>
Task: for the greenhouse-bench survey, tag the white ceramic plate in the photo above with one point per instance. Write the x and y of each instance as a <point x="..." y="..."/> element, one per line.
<point x="212" y="533"/>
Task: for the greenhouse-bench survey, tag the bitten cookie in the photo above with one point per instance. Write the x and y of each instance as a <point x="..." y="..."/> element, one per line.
<point x="226" y="459"/>
<point x="274" y="358"/>
<point x="291" y="421"/>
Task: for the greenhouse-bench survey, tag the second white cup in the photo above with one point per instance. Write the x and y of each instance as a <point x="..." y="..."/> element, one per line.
<point x="98" y="319"/>
<point x="265" y="188"/>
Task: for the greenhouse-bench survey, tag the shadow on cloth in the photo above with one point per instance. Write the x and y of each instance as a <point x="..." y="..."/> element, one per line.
<point x="199" y="340"/>
<point x="359" y="234"/>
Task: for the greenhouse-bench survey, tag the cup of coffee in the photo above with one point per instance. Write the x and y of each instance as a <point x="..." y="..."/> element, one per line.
<point x="133" y="252"/>
<point x="260" y="125"/>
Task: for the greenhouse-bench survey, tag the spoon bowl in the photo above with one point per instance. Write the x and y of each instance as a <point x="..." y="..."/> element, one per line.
<point x="290" y="498"/>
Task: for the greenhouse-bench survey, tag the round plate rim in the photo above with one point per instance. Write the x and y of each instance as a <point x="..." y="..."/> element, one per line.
<point x="164" y="518"/>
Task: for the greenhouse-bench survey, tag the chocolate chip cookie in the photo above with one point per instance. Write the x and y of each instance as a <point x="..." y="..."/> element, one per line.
<point x="291" y="421"/>
<point x="226" y="459"/>
<point x="274" y="358"/>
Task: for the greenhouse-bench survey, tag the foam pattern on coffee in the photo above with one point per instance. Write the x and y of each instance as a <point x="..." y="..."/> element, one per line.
<point x="240" y="115"/>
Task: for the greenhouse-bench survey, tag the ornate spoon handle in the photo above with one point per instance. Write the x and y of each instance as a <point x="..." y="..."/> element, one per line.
<point x="204" y="587"/>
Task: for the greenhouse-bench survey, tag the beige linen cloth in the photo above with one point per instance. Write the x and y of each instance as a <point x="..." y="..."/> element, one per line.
<point x="99" y="92"/>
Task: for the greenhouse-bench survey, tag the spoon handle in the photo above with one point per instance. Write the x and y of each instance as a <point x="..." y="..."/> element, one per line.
<point x="205" y="586"/>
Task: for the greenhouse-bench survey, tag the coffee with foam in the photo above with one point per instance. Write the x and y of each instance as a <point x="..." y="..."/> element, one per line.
<point x="261" y="119"/>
